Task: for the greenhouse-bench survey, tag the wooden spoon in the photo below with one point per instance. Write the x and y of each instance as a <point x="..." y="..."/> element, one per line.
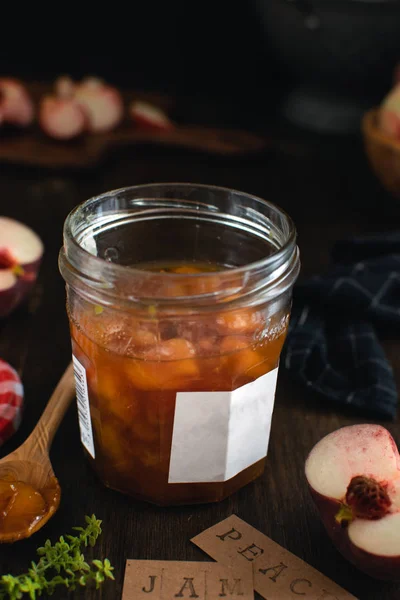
<point x="30" y="463"/>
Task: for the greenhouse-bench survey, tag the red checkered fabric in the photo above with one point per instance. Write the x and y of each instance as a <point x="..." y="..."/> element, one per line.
<point x="11" y="401"/>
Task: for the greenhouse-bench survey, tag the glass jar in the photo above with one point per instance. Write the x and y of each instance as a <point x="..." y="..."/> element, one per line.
<point x="178" y="298"/>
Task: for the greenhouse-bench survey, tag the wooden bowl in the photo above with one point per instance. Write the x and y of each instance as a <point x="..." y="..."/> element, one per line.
<point x="383" y="153"/>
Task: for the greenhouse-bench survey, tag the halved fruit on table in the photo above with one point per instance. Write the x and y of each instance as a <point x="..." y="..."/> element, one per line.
<point x="148" y="116"/>
<point x="354" y="477"/>
<point x="16" y="106"/>
<point x="21" y="252"/>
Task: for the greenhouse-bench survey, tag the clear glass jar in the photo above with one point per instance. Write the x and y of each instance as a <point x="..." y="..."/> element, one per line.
<point x="178" y="297"/>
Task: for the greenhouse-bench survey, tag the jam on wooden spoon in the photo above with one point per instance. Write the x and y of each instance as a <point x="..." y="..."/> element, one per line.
<point x="29" y="491"/>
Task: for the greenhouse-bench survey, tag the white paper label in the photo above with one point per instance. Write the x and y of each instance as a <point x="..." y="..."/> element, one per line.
<point x="82" y="401"/>
<point x="218" y="434"/>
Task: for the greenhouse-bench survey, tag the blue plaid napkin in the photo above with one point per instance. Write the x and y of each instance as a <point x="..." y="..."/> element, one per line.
<point x="333" y="345"/>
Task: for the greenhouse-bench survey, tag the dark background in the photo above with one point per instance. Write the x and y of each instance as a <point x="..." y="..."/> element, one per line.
<point x="205" y="50"/>
<point x="195" y="51"/>
<point x="176" y="46"/>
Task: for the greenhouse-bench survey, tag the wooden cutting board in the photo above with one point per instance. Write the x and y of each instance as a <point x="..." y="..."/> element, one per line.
<point x="32" y="147"/>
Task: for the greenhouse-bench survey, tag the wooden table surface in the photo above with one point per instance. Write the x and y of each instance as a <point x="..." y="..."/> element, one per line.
<point x="327" y="188"/>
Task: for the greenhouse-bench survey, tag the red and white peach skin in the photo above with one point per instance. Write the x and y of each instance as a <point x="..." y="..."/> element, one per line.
<point x="150" y="117"/>
<point x="354" y="478"/>
<point x="61" y="118"/>
<point x="389" y="114"/>
<point x="16" y="106"/>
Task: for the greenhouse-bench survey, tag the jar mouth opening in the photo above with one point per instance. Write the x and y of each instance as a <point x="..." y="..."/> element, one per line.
<point x="156" y="201"/>
<point x="71" y="236"/>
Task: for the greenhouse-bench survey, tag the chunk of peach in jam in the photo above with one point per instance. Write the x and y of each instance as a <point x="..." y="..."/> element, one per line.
<point x="239" y="322"/>
<point x="166" y="366"/>
<point x="22" y="506"/>
<point x="138" y="362"/>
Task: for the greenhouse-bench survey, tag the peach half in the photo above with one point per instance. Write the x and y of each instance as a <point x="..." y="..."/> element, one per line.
<point x="21" y="252"/>
<point x="354" y="477"/>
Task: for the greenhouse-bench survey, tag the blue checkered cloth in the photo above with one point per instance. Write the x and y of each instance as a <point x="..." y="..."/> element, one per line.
<point x="333" y="345"/>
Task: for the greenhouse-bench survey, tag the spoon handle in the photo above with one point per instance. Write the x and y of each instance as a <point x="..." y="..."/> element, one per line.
<point x="41" y="438"/>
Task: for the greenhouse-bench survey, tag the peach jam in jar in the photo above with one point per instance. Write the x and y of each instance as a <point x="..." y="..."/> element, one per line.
<point x="178" y="298"/>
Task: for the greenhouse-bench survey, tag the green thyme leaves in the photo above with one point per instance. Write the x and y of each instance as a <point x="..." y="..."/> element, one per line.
<point x="61" y="564"/>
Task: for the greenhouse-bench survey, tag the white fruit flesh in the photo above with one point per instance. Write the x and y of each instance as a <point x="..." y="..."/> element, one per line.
<point x="147" y="112"/>
<point x="355" y="450"/>
<point x="380" y="537"/>
<point x="7" y="279"/>
<point x="19" y="241"/>
<point x="102" y="104"/>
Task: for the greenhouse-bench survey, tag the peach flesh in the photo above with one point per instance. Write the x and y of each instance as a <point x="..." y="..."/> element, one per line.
<point x="20" y="256"/>
<point x="147" y="116"/>
<point x="372" y="545"/>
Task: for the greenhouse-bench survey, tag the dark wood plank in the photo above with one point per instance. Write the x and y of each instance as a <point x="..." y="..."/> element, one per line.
<point x="328" y="189"/>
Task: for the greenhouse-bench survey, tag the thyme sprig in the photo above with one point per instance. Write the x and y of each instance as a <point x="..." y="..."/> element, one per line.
<point x="60" y="564"/>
